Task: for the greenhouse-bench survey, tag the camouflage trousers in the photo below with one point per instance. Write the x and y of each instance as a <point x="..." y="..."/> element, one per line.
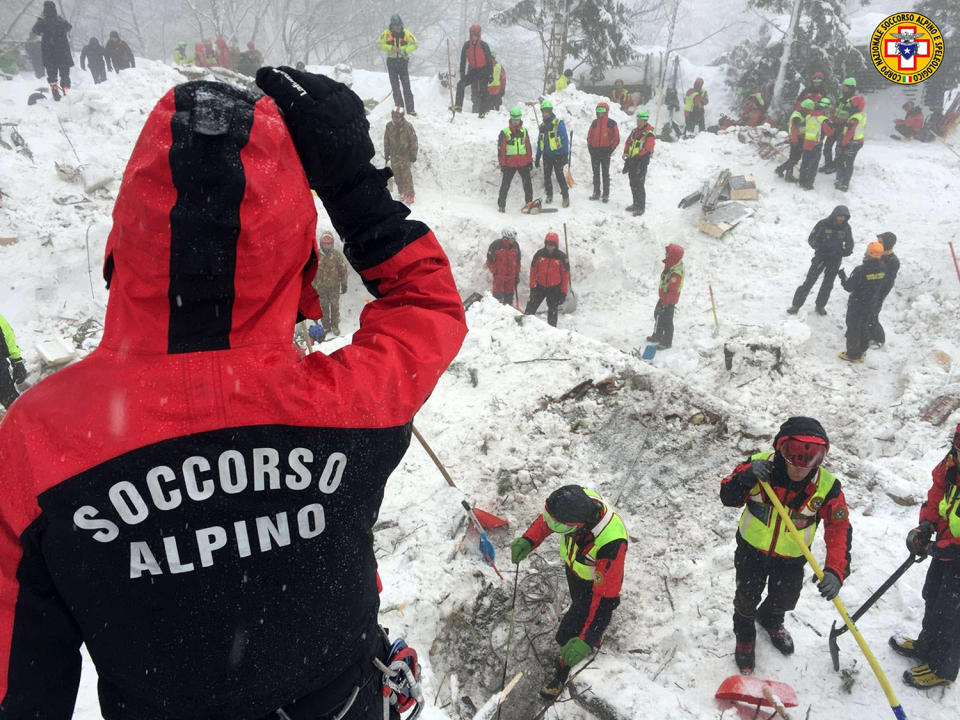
<point x="403" y="176"/>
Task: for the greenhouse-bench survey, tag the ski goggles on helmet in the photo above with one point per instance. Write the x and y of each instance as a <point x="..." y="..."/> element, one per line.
<point x="802" y="451"/>
<point x="558" y="527"/>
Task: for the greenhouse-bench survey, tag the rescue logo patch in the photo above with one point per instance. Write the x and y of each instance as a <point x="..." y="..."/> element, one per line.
<point x="840" y="514"/>
<point x="906" y="48"/>
<point x="597" y="578"/>
<point x="815" y="503"/>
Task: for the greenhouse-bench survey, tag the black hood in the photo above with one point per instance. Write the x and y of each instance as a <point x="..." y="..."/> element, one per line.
<point x="840" y="210"/>
<point x="49" y="9"/>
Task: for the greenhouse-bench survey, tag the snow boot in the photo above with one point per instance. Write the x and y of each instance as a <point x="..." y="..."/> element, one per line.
<point x="554" y="686"/>
<point x="55" y="91"/>
<point x="638" y="212"/>
<point x="844" y="356"/>
<point x="789" y="176"/>
<point x="745" y="657"/>
<point x="411" y="113"/>
<point x="780" y="637"/>
<point x="595" y="196"/>
<point x="630" y="208"/>
<point x="842" y="187"/>
<point x="548" y="199"/>
<point x="501" y="208"/>
<point x="923" y="677"/>
<point x="653" y="339"/>
<point x="605" y="199"/>
<point x="793" y="310"/>
<point x="904" y="646"/>
<point x="781" y="169"/>
<point x="821" y="310"/>
<point x="566" y="202"/>
<point x="829" y="168"/>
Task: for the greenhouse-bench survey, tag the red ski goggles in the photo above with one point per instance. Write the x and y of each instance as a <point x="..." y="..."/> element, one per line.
<point x="803" y="451"/>
<point x="557" y="526"/>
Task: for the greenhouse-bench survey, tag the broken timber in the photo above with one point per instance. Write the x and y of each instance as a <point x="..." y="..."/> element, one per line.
<point x="717" y="223"/>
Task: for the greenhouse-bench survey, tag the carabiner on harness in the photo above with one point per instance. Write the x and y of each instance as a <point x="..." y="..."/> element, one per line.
<point x="400" y="685"/>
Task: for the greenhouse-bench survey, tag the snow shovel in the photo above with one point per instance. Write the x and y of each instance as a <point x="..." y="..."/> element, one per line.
<point x="753" y="690"/>
<point x="837" y="632"/>
<point x="837" y="602"/>
<point x="570" y="181"/>
<point x="570" y="304"/>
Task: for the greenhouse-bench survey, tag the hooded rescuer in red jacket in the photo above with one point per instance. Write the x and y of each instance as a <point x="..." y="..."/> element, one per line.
<point x="549" y="278"/>
<point x="671" y="283"/>
<point x="503" y="261"/>
<point x="193" y="501"/>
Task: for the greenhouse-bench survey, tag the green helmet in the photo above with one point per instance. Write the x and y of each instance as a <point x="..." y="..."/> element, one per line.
<point x="850" y="82"/>
<point x="515" y="113"/>
<point x="643" y="114"/>
<point x="807" y="104"/>
<point x="181" y="44"/>
<point x="601" y="108"/>
<point x="825" y="102"/>
<point x="546" y="105"/>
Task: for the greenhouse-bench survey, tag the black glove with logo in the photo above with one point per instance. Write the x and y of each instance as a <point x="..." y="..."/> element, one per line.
<point x="918" y="539"/>
<point x="19" y="371"/>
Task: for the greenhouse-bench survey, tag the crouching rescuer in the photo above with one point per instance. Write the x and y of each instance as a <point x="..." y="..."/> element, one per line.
<point x="767" y="556"/>
<point x="593" y="545"/>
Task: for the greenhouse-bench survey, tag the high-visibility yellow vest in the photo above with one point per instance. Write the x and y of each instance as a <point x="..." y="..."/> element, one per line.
<point x="667" y="274"/>
<point x="516" y="145"/>
<point x="812" y="127"/>
<point x="844" y="108"/>
<point x="561" y="84"/>
<point x="950" y="510"/>
<point x="9" y="346"/>
<point x="861" y="119"/>
<point x="636" y="145"/>
<point x="397" y="47"/>
<point x="495" y="78"/>
<point x="553" y="138"/>
<point x="761" y="526"/>
<point x="688" y="100"/>
<point x="582" y="561"/>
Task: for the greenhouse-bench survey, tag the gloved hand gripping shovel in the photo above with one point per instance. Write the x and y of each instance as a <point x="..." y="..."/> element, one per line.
<point x="836" y="632"/>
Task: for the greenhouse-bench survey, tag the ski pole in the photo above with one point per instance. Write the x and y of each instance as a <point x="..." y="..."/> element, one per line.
<point x="713" y="306"/>
<point x="506" y="655"/>
<point x="838" y="603"/>
<point x="954" y="253"/>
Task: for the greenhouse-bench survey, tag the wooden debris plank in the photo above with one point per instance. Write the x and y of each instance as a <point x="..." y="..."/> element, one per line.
<point x="940" y="409"/>
<point x="743" y="187"/>
<point x="720" y="221"/>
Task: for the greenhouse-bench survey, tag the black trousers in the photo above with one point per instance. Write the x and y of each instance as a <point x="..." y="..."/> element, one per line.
<point x="845" y="157"/>
<point x="829" y="266"/>
<point x="696" y="119"/>
<point x="858" y="327"/>
<point x="63" y="70"/>
<point x="810" y="165"/>
<point x="796" y="153"/>
<point x="99" y="75"/>
<point x="552" y="295"/>
<point x="477" y="79"/>
<point x="939" y="641"/>
<point x="507" y="178"/>
<point x="581" y="596"/>
<point x="783" y="580"/>
<point x="398" y="70"/>
<point x="553" y="165"/>
<point x="8" y="391"/>
<point x="600" y="160"/>
<point x="505" y="297"/>
<point x="663" y="332"/>
<point x="637" y="173"/>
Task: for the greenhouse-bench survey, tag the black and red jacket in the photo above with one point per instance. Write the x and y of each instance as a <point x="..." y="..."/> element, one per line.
<point x="503" y="260"/>
<point x="945" y="477"/>
<point x="549" y="270"/>
<point x="193" y="501"/>
<point x="604" y="133"/>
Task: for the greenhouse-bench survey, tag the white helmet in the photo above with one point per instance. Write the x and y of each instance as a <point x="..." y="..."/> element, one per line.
<point x="398" y="111"/>
<point x="508" y="233"/>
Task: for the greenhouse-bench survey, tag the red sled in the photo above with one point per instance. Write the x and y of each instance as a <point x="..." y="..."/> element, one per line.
<point x="748" y="689"/>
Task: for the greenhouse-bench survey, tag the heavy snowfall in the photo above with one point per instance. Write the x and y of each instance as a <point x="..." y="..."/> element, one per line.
<point x="654" y="438"/>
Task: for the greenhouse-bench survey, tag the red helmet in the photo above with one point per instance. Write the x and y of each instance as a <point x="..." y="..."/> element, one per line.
<point x="551" y="238"/>
<point x="818" y="77"/>
<point x="859" y="102"/>
<point x="698" y="83"/>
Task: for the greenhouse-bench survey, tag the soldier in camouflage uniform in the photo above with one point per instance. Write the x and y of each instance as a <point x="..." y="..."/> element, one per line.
<point x="400" y="150"/>
<point x="330" y="282"/>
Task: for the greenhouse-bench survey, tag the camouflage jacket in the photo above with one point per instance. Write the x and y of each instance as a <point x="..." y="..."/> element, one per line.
<point x="331" y="270"/>
<point x="400" y="142"/>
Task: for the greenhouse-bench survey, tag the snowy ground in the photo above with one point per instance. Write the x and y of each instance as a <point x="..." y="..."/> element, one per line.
<point x="657" y="443"/>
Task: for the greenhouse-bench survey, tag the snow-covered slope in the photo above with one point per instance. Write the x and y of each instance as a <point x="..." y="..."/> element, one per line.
<point x="655" y="440"/>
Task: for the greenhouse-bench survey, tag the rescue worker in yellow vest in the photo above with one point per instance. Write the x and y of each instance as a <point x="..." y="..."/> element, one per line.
<point x="850" y="143"/>
<point x="637" y="151"/>
<point x="842" y="110"/>
<point x="798" y="119"/>
<point x="553" y="145"/>
<point x="694" y="102"/>
<point x="515" y="156"/>
<point x="497" y="85"/>
<point x="812" y="146"/>
<point x="563" y="81"/>
<point x="180" y="56"/>
<point x="671" y="283"/>
<point x="16" y="372"/>
<point x="938" y="646"/>
<point x="766" y="554"/>
<point x="593" y="545"/>
<point x="398" y="42"/>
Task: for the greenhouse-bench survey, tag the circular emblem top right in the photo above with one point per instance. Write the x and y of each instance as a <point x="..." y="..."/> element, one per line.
<point x="907" y="48"/>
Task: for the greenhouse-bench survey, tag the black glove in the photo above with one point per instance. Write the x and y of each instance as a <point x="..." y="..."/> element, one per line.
<point x="536" y="163"/>
<point x="842" y="273"/>
<point x="19" y="370"/>
<point x="328" y="125"/>
<point x="829" y="587"/>
<point x="343" y="288"/>
<point x="918" y="539"/>
<point x="563" y="298"/>
<point x="762" y="470"/>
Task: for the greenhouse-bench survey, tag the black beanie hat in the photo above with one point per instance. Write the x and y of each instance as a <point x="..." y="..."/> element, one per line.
<point x="570" y="504"/>
<point x="888" y="240"/>
<point x="801" y="426"/>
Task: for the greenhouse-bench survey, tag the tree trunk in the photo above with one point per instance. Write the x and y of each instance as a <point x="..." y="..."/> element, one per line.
<point x="785" y="60"/>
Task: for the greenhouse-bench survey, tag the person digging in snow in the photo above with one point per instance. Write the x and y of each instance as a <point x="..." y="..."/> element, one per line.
<point x="593" y="545"/>
<point x="831" y="240"/>
<point x="503" y="262"/>
<point x="671" y="283"/>
<point x="515" y="155"/>
<point x="865" y="285"/>
<point x="937" y="648"/>
<point x="637" y="151"/>
<point x="12" y="369"/>
<point x="602" y="139"/>
<point x="767" y="556"/>
<point x="400" y="148"/>
<point x="553" y="146"/>
<point x="330" y="282"/>
<point x="54" y="48"/>
<point x="891" y="267"/>
<point x="216" y="537"/>
<point x="549" y="278"/>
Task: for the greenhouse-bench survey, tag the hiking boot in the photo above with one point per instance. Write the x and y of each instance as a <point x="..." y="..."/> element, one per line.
<point x="566" y="202"/>
<point x="904" y="646"/>
<point x="554" y="686"/>
<point x="548" y="199"/>
<point x="789" y="176"/>
<point x="411" y="113"/>
<point x="829" y="168"/>
<point x="501" y="208"/>
<point x="844" y="356"/>
<point x="630" y="208"/>
<point x="923" y="677"/>
<point x="653" y="339"/>
<point x="638" y="212"/>
<point x="595" y="196"/>
<point x="780" y="170"/>
<point x="55" y="91"/>
<point x="780" y="637"/>
<point x="806" y="186"/>
<point x="664" y="346"/>
<point x="793" y="310"/>
<point x="745" y="657"/>
<point x="605" y="199"/>
<point x="821" y="310"/>
<point x="842" y="187"/>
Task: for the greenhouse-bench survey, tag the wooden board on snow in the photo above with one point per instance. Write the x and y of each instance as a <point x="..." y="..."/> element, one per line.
<point x="743" y="187"/>
<point x="718" y="222"/>
<point x="56" y="351"/>
<point x="7" y="241"/>
<point x="940" y="409"/>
